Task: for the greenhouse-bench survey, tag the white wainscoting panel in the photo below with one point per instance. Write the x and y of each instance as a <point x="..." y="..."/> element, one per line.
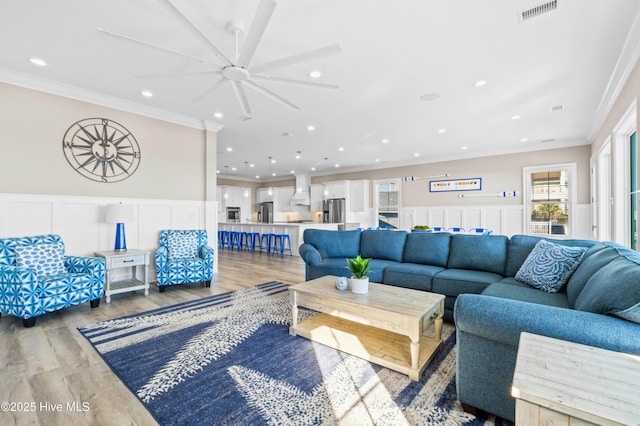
<point x="503" y="220"/>
<point x="80" y="221"/>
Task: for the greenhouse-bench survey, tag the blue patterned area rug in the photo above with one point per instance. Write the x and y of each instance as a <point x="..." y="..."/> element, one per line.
<point x="229" y="359"/>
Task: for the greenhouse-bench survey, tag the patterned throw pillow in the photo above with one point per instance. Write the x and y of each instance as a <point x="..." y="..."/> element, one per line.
<point x="549" y="266"/>
<point x="182" y="246"/>
<point x="46" y="259"/>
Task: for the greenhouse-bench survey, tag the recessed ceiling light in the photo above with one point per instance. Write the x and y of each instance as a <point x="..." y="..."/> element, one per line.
<point x="377" y="160"/>
<point x="311" y="128"/>
<point x="147" y="93"/>
<point x="428" y="97"/>
<point x="442" y="131"/>
<point x="480" y="83"/>
<point x="293" y="172"/>
<point x="297" y="156"/>
<point x="337" y="165"/>
<point x="315" y="74"/>
<point x="524" y="140"/>
<point x="385" y="140"/>
<point x="273" y="174"/>
<point x="233" y="169"/>
<point x="38" y="62"/>
<point x="229" y="149"/>
<point x="515" y="117"/>
<point x="252" y="165"/>
<point x="218" y="114"/>
<point x="218" y="171"/>
<point x="313" y="169"/>
<point x="417" y="154"/>
<point x="273" y="161"/>
<point x="464" y="148"/>
<point x="257" y="176"/>
<point x="341" y="149"/>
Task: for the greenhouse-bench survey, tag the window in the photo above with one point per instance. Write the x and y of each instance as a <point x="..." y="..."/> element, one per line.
<point x="387" y="203"/>
<point x="550" y="199"/>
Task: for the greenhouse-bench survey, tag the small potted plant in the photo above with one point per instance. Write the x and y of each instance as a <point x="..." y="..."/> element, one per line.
<point x="421" y="228"/>
<point x="359" y="267"/>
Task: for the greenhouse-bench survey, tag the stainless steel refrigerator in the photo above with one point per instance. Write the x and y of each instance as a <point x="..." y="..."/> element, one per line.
<point x="265" y="212"/>
<point x="334" y="210"/>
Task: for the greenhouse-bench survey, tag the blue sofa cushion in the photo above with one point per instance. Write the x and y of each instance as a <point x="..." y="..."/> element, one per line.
<point x="480" y="253"/>
<point x="521" y="245"/>
<point x="594" y="259"/>
<point x="614" y="289"/>
<point x="384" y="245"/>
<point x="453" y="282"/>
<point x="377" y="267"/>
<point x="46" y="259"/>
<point x="549" y="266"/>
<point x="427" y="248"/>
<point x="411" y="275"/>
<point x="341" y="244"/>
<point x="510" y="288"/>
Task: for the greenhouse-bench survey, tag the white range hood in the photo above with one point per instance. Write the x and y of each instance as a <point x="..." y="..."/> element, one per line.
<point x="301" y="195"/>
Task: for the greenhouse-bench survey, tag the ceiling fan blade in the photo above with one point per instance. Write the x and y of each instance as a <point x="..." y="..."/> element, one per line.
<point x="269" y="94"/>
<point x="177" y="74"/>
<point x="296" y="82"/>
<point x="209" y="90"/>
<point x="193" y="29"/>
<point x="242" y="97"/>
<point x="153" y="46"/>
<point x="258" y="26"/>
<point x="297" y="59"/>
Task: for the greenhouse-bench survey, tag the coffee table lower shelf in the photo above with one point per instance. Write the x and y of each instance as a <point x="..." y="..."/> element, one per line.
<point x="381" y="347"/>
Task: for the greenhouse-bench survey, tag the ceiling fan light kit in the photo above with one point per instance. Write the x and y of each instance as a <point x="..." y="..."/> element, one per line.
<point x="237" y="70"/>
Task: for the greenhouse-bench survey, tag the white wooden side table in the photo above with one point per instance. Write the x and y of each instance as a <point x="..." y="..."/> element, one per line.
<point x="562" y="383"/>
<point x="125" y="259"/>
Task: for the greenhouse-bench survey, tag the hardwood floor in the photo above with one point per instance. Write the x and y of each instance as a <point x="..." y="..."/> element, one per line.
<point x="51" y="375"/>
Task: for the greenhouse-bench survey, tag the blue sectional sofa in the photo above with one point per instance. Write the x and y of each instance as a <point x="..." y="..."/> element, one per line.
<point x="598" y="303"/>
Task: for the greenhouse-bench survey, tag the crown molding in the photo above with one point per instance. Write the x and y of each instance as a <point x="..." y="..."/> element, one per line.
<point x="629" y="56"/>
<point x="69" y="91"/>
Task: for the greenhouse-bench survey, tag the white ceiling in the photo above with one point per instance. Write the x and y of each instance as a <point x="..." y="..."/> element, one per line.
<point x="393" y="52"/>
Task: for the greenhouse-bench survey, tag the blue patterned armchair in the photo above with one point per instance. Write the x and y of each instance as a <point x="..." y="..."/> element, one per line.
<point x="183" y="257"/>
<point x="37" y="277"/>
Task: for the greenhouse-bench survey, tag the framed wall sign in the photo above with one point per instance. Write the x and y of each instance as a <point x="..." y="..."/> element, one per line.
<point x="470" y="184"/>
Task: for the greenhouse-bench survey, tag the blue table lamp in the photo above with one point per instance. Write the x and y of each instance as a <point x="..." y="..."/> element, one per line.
<point x="119" y="214"/>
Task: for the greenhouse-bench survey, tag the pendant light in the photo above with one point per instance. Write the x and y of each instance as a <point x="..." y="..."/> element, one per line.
<point x="246" y="190"/>
<point x="270" y="190"/>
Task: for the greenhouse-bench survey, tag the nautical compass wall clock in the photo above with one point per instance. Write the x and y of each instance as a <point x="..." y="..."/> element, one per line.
<point x="101" y="150"/>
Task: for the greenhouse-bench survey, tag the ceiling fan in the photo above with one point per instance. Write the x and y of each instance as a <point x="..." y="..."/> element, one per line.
<point x="238" y="70"/>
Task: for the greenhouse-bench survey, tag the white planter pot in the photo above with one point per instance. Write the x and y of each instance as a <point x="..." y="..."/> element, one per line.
<point x="359" y="285"/>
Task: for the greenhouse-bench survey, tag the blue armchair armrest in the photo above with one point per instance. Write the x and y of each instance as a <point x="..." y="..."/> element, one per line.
<point x="310" y="254"/>
<point x="19" y="291"/>
<point x="206" y="253"/>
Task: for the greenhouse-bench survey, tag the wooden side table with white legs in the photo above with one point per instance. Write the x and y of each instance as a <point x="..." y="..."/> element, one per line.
<point x="125" y="259"/>
<point x="562" y="383"/>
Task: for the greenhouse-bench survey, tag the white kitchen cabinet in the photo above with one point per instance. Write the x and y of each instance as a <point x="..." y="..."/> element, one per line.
<point x="234" y="196"/>
<point x="316" y="197"/>
<point x="263" y="195"/>
<point x="338" y="189"/>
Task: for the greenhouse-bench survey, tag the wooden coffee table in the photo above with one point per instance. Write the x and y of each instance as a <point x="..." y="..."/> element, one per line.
<point x="385" y="326"/>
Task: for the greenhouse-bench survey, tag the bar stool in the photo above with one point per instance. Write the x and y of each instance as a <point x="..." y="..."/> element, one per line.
<point x="267" y="242"/>
<point x="243" y="241"/>
<point x="223" y="238"/>
<point x="234" y="238"/>
<point x="284" y="241"/>
<point x="254" y="239"/>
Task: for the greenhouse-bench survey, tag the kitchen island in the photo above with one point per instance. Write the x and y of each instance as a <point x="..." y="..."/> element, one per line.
<point x="295" y="230"/>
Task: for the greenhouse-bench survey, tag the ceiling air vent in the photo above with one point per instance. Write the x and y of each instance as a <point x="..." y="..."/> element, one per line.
<point x="547" y="140"/>
<point x="538" y="10"/>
